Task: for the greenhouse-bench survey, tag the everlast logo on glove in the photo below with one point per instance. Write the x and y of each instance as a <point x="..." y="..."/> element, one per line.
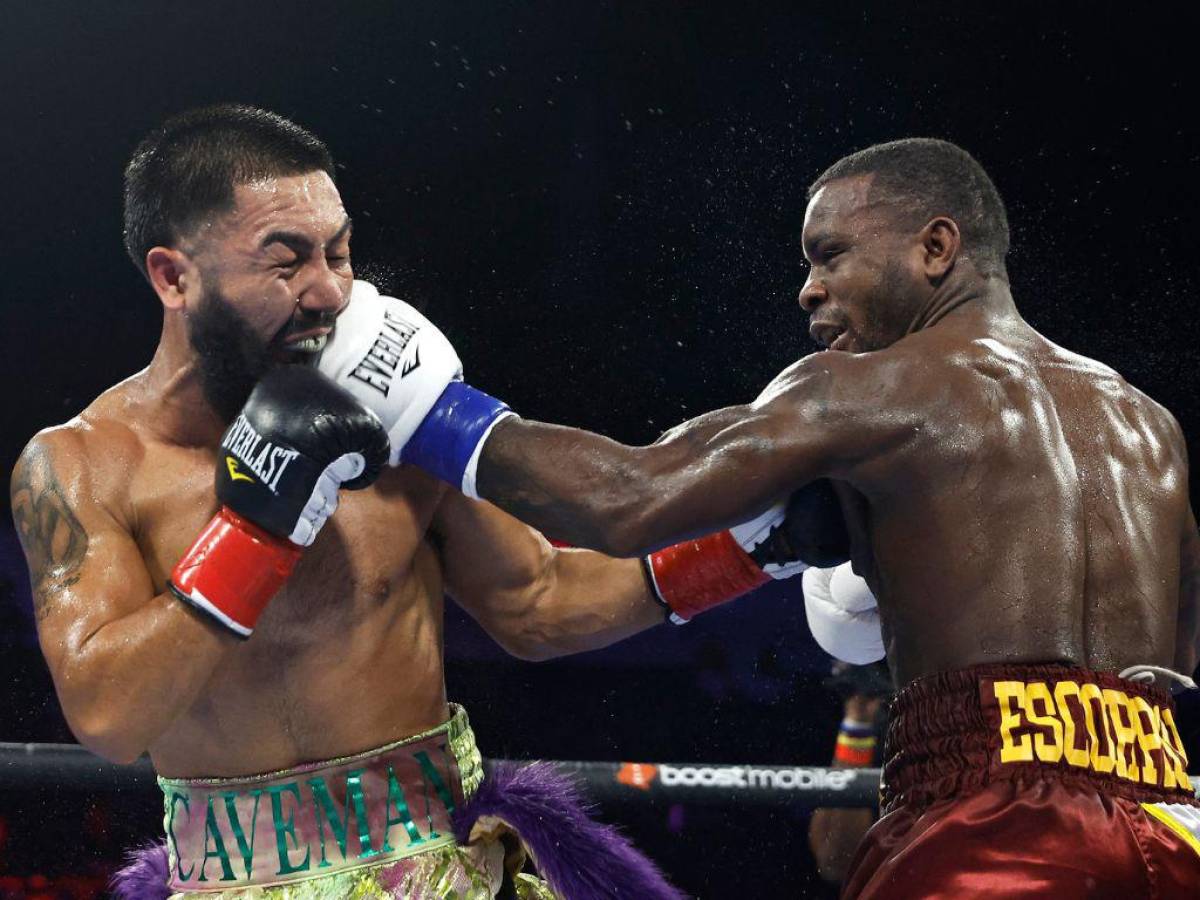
<point x="379" y="365"/>
<point x="265" y="459"/>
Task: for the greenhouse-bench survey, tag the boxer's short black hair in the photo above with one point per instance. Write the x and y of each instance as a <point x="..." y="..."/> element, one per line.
<point x="926" y="178"/>
<point x="187" y="169"/>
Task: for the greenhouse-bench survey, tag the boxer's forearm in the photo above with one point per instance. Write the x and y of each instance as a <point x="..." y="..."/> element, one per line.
<point x="128" y="681"/>
<point x="576" y="601"/>
<point x="625" y="501"/>
<point x="536" y="600"/>
<point x="589" y="601"/>
<point x="578" y="486"/>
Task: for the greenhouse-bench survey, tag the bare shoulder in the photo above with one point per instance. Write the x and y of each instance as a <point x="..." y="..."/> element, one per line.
<point x="84" y="462"/>
<point x="1143" y="412"/>
<point x="856" y="417"/>
<point x="1170" y="446"/>
<point x="905" y="385"/>
<point x="1161" y="419"/>
<point x="832" y="377"/>
<point x="70" y="489"/>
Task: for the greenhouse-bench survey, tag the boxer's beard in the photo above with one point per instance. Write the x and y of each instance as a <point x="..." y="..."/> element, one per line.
<point x="232" y="357"/>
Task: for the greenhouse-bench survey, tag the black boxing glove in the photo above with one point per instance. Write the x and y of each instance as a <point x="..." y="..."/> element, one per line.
<point x="813" y="530"/>
<point x="298" y="439"/>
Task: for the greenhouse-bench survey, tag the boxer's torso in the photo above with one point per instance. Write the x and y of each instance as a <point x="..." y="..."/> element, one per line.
<point x="347" y="656"/>
<point x="1036" y="517"/>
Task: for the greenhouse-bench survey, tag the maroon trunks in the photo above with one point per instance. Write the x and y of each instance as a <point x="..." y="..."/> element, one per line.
<point x="1031" y="781"/>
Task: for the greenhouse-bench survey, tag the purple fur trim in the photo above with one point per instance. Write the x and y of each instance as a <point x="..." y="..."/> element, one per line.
<point x="581" y="858"/>
<point x="145" y="874"/>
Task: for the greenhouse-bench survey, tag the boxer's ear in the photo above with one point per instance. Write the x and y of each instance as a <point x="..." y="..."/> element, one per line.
<point x="941" y="243"/>
<point x="170" y="272"/>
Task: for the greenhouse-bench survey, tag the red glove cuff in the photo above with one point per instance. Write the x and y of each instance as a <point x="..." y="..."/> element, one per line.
<point x="233" y="569"/>
<point x="694" y="576"/>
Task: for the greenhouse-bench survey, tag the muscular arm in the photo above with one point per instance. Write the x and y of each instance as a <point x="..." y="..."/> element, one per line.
<point x="535" y="600"/>
<point x="125" y="661"/>
<point x="827" y="415"/>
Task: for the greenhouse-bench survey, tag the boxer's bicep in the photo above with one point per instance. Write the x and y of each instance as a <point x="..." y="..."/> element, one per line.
<point x="536" y="600"/>
<point x="85" y="570"/>
<point x="821" y="418"/>
<point x="849" y="412"/>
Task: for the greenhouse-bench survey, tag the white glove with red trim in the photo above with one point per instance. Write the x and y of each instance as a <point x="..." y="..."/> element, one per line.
<point x="693" y="576"/>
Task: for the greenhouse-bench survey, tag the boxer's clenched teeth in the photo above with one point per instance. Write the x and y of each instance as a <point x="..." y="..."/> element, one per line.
<point x="314" y="344"/>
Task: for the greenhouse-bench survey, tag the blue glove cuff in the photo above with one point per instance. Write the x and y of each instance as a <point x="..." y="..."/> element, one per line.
<point x="445" y="441"/>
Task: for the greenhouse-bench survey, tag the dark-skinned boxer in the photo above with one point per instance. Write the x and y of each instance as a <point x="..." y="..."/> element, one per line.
<point x="1020" y="511"/>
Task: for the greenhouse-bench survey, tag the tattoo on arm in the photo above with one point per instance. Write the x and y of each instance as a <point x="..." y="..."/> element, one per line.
<point x="54" y="541"/>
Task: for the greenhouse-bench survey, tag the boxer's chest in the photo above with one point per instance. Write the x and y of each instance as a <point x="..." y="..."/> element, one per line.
<point x="363" y="555"/>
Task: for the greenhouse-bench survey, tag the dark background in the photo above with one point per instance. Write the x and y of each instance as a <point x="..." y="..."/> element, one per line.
<point x="600" y="204"/>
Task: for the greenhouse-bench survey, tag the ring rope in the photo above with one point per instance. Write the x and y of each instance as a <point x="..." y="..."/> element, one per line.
<point x="70" y="766"/>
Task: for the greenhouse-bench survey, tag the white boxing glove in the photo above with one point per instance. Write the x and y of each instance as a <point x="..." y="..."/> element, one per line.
<point x="850" y="591"/>
<point x="843" y="615"/>
<point x="392" y="359"/>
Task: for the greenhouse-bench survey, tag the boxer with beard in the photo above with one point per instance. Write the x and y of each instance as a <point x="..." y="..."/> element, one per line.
<point x="232" y="358"/>
<point x="280" y="662"/>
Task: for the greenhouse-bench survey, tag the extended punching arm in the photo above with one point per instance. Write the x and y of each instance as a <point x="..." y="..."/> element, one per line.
<point x="817" y="419"/>
<point x="822" y="417"/>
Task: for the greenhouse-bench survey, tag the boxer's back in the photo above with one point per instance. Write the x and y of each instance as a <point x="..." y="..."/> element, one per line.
<point x="1039" y="516"/>
<point x="347" y="656"/>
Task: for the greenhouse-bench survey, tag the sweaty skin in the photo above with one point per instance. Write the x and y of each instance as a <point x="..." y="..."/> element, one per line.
<point x="348" y="655"/>
<point x="1008" y="500"/>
